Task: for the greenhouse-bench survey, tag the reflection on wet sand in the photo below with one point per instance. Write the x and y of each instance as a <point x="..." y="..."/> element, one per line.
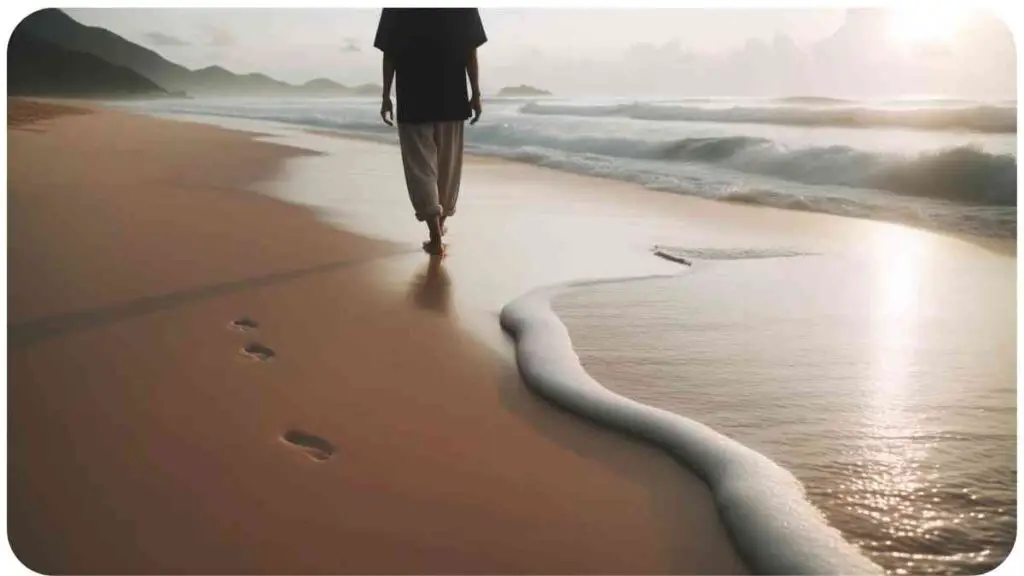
<point x="431" y="287"/>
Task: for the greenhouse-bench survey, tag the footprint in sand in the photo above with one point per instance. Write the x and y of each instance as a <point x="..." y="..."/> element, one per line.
<point x="257" y="351"/>
<point x="245" y="324"/>
<point x="314" y="446"/>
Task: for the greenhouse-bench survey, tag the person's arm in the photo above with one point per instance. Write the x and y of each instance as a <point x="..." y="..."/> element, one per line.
<point x="385" y="41"/>
<point x="387" y="111"/>
<point x="475" y="37"/>
<point x="473" y="68"/>
<point x="389" y="75"/>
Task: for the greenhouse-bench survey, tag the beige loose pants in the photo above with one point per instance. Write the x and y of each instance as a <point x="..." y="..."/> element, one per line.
<point x="432" y="158"/>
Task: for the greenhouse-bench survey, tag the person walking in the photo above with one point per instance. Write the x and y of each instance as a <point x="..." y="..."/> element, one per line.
<point x="429" y="53"/>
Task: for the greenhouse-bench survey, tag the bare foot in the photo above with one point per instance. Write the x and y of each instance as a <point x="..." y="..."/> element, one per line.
<point x="434" y="247"/>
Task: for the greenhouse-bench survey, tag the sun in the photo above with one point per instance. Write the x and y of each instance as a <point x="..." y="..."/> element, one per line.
<point x="917" y="26"/>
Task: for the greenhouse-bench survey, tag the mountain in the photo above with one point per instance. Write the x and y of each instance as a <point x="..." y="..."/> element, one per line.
<point x="322" y="85"/>
<point x="58" y="29"/>
<point x="523" y="90"/>
<point x="36" y="67"/>
<point x="325" y="87"/>
<point x="220" y="81"/>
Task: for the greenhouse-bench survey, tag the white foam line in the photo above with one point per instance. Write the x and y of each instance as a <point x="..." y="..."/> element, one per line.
<point x="774" y="527"/>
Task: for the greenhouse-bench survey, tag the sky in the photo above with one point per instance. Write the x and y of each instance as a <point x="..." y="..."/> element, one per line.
<point x="610" y="52"/>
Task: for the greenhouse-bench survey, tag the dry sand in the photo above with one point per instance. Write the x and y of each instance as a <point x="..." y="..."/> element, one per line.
<point x="378" y="437"/>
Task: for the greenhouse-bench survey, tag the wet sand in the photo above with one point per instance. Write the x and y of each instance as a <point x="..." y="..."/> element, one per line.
<point x="521" y="227"/>
<point x="207" y="380"/>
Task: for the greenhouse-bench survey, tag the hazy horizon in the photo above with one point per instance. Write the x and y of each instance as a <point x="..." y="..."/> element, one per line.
<point x="856" y="53"/>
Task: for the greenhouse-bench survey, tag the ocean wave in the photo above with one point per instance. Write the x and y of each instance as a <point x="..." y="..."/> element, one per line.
<point x="961" y="190"/>
<point x="964" y="175"/>
<point x="987" y="119"/>
<point x="989" y="221"/>
<point x="774" y="527"/>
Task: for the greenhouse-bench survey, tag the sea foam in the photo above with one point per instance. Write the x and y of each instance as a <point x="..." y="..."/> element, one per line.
<point x="962" y="187"/>
<point x="774" y="527"/>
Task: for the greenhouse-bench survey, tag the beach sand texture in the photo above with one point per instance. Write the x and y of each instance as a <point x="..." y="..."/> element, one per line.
<point x="203" y="379"/>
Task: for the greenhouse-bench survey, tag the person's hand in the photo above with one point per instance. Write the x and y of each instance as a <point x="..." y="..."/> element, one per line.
<point x="474" y="104"/>
<point x="387" y="111"/>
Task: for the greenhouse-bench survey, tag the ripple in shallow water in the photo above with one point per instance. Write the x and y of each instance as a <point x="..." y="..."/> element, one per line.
<point x="899" y="420"/>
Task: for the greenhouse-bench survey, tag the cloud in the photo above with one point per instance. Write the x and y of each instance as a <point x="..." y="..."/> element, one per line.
<point x="351" y="46"/>
<point x="858" y="59"/>
<point x="161" y="39"/>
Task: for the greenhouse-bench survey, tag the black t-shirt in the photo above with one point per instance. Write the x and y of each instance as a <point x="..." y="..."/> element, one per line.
<point x="430" y="48"/>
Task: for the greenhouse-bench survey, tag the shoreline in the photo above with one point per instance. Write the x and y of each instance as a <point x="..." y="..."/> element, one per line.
<point x="784" y="354"/>
<point x="876" y="242"/>
<point x="160" y="279"/>
<point x="758" y="499"/>
<point x="999" y="245"/>
<point x="484" y="176"/>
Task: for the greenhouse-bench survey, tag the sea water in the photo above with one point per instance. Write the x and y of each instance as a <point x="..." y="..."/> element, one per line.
<point x="942" y="164"/>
